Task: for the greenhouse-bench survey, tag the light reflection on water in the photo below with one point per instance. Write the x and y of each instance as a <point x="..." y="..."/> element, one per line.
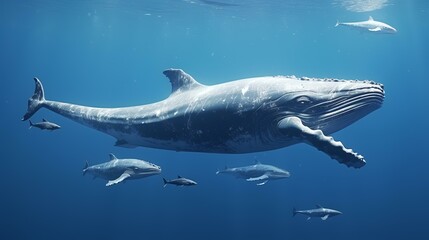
<point x="361" y="5"/>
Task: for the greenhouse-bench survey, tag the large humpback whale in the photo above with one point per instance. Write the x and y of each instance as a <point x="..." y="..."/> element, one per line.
<point x="248" y="115"/>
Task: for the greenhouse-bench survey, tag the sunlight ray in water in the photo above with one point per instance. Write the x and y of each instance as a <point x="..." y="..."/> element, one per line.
<point x="361" y="5"/>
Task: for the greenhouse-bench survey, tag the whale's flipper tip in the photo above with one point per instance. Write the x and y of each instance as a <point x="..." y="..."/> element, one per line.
<point x="34" y="103"/>
<point x="319" y="140"/>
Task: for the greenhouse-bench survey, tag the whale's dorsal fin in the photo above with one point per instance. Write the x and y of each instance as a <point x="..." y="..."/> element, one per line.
<point x="44" y="120"/>
<point x="318" y="205"/>
<point x="180" y="81"/>
<point x="178" y="176"/>
<point x="370" y="18"/>
<point x="112" y="157"/>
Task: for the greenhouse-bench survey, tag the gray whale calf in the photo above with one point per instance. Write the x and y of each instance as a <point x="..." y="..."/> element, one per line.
<point x="45" y="125"/>
<point x="242" y="116"/>
<point x="370" y="25"/>
<point x="323" y="213"/>
<point x="118" y="170"/>
<point x="180" y="181"/>
<point x="258" y="172"/>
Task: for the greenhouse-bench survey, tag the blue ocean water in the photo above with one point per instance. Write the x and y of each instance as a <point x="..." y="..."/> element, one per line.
<point x="112" y="54"/>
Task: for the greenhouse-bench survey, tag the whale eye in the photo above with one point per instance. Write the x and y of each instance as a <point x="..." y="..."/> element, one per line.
<point x="303" y="100"/>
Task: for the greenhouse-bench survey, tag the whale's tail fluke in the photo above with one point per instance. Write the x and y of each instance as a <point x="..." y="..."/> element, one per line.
<point x="36" y="101"/>
<point x="337" y="24"/>
<point x="31" y="124"/>
<point x="221" y="171"/>
<point x="165" y="182"/>
<point x="85" y="168"/>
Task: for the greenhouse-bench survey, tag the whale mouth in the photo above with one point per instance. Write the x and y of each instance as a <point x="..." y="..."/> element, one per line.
<point x="281" y="175"/>
<point x="348" y="105"/>
<point x="152" y="170"/>
<point x="337" y="113"/>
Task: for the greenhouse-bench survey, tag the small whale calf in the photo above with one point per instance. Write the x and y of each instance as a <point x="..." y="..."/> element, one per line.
<point x="45" y="125"/>
<point x="323" y="213"/>
<point x="118" y="170"/>
<point x="370" y="25"/>
<point x="179" y="181"/>
<point x="258" y="172"/>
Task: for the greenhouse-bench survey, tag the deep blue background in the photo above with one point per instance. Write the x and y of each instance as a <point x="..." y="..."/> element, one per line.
<point x="112" y="53"/>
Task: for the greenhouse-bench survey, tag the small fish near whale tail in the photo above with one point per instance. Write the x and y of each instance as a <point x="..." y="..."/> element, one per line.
<point x="36" y="101"/>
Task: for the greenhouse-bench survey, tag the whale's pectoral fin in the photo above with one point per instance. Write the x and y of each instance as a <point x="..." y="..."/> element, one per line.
<point x="121" y="178"/>
<point x="293" y="127"/>
<point x="377" y="29"/>
<point x="325" y="217"/>
<point x="262" y="183"/>
<point x="124" y="144"/>
<point x="260" y="178"/>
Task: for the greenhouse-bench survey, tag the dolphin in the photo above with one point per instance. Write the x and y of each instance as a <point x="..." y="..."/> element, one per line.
<point x="258" y="172"/>
<point x="44" y="124"/>
<point x="242" y="116"/>
<point x="179" y="181"/>
<point x="371" y="25"/>
<point x="323" y="213"/>
<point x="118" y="170"/>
